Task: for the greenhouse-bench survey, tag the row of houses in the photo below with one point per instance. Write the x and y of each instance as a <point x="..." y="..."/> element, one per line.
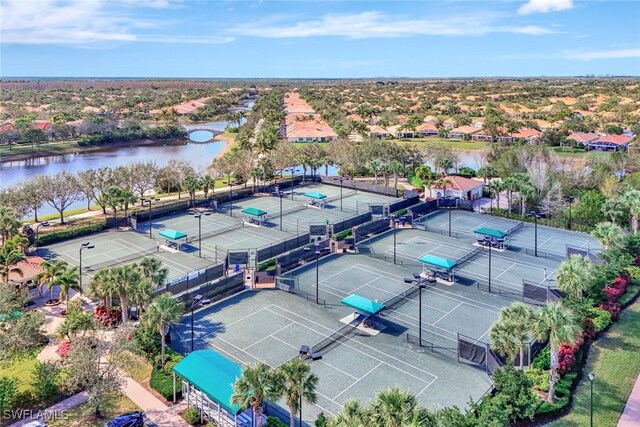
<point x="302" y="123"/>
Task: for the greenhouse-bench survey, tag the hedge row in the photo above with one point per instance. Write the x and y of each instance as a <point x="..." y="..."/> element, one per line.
<point x="70" y="233"/>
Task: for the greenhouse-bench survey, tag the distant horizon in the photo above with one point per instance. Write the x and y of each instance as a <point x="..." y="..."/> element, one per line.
<point x="439" y="39"/>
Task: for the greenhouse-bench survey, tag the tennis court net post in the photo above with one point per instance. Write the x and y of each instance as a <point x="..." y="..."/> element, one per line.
<point x="515" y="228"/>
<point x="469" y="255"/>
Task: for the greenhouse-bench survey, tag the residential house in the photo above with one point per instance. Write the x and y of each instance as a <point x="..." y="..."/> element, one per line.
<point x="24" y="273"/>
<point x="459" y="187"/>
<point x="449" y="124"/>
<point x="293" y="104"/>
<point x="427" y="129"/>
<point x="431" y="120"/>
<point x="462" y="132"/>
<point x="378" y="132"/>
<point x="610" y="143"/>
<point x="307" y="128"/>
<point x="478" y="122"/>
<point x="532" y="136"/>
<point x="583" y="138"/>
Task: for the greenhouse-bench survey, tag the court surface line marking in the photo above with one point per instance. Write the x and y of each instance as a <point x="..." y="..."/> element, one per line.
<point x="268" y="336"/>
<point x="226" y="325"/>
<point x="358" y="380"/>
<point x="359" y="343"/>
<point x="179" y="267"/>
<point x="445" y="315"/>
<point x="238" y="348"/>
<point x="508" y="268"/>
<point x="441" y="292"/>
<point x="323" y="362"/>
<point x="425" y="387"/>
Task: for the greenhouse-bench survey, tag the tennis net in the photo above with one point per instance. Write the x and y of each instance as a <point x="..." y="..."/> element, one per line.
<point x="515" y="228"/>
<point x="213" y="233"/>
<point x="467" y="257"/>
<point x="287" y="212"/>
<point x="335" y="337"/>
<point x="401" y="298"/>
<point x="124" y="259"/>
<point x="345" y="194"/>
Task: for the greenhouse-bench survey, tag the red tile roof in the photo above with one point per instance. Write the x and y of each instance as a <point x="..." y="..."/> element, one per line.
<point x="615" y="139"/>
<point x="378" y="130"/>
<point x="583" y="137"/>
<point x="7" y="127"/>
<point x="468" y="130"/>
<point x="27" y="269"/>
<point x="42" y="125"/>
<point x="308" y="126"/>
<point x="293" y="104"/>
<point x="461" y="183"/>
<point x="426" y="127"/>
<point x="525" y="133"/>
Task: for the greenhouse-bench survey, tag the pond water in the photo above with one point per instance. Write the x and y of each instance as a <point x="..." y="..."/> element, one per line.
<point x="201" y="136"/>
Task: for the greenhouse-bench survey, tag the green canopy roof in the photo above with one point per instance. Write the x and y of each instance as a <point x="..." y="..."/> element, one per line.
<point x="436" y="261"/>
<point x="10" y="316"/>
<point x="491" y="232"/>
<point x="254" y="211"/>
<point x="315" y="195"/>
<point x="362" y="304"/>
<point x="172" y="234"/>
<point x="211" y="373"/>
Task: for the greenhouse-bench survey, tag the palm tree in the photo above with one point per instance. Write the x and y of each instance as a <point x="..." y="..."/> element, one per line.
<point x="631" y="201"/>
<point x="504" y="339"/>
<point x="9" y="257"/>
<point x="141" y="295"/>
<point x="511" y="185"/>
<point x="9" y="223"/>
<point x="127" y="198"/>
<point x="51" y="275"/>
<point x="608" y="233"/>
<point x="559" y="325"/>
<point x="125" y="279"/>
<point x="257" y="384"/>
<point x="498" y="187"/>
<point x="297" y="382"/>
<point x="393" y="408"/>
<point x="396" y="168"/>
<point x="102" y="285"/>
<point x="520" y="318"/>
<point x="208" y="183"/>
<point x="191" y="184"/>
<point x="152" y="270"/>
<point x="351" y="415"/>
<point x="67" y="281"/>
<point x="161" y="313"/>
<point x="374" y="167"/>
<point x="574" y="275"/>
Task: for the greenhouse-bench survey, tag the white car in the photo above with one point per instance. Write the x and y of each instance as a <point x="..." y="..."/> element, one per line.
<point x="35" y="424"/>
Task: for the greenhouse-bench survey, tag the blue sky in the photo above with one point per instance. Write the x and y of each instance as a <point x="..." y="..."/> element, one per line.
<point x="343" y="39"/>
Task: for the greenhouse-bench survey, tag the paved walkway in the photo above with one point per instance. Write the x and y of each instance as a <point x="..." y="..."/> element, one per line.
<point x="68" y="403"/>
<point x="631" y="414"/>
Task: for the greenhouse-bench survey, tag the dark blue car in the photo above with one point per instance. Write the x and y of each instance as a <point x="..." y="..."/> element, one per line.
<point x="131" y="419"/>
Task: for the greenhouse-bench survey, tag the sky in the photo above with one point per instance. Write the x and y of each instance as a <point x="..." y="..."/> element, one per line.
<point x="318" y="39"/>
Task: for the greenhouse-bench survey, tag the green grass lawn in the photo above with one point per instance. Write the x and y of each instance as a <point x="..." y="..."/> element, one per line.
<point x="304" y="144"/>
<point x="20" y="369"/>
<point x="615" y="362"/>
<point x="453" y="144"/>
<point x="82" y="415"/>
<point x="134" y="366"/>
<point x="26" y="148"/>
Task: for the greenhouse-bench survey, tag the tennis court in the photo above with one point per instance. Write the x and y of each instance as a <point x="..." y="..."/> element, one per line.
<point x="119" y="247"/>
<point x="550" y="240"/>
<point x="271" y="326"/>
<point x="508" y="268"/>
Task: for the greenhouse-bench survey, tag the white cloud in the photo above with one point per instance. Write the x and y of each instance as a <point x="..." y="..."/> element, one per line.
<point x="378" y="25"/>
<point x="86" y="23"/>
<point x="604" y="54"/>
<point x="545" y="6"/>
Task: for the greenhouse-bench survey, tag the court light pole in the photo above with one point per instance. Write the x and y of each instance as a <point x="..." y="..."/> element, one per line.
<point x="42" y="224"/>
<point x="395" y="231"/>
<point x="448" y="199"/>
<point x="421" y="283"/>
<point x="536" y="217"/>
<point x="487" y="240"/>
<point x="197" y="300"/>
<point x="293" y="173"/>
<point x="230" y="198"/>
<point x="341" y="179"/>
<point x="570" y="199"/>
<point x="198" y="215"/>
<point x="592" y="378"/>
<point x="83" y="246"/>
<point x="317" y="245"/>
<point x="148" y="203"/>
<point x="280" y="195"/>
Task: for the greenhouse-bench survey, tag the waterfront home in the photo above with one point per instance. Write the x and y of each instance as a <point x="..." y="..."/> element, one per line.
<point x="449" y="123"/>
<point x="431" y="120"/>
<point x="462" y="132"/>
<point x="307" y="128"/>
<point x="532" y="136"/>
<point x="458" y="187"/>
<point x="583" y="138"/>
<point x="427" y="129"/>
<point x="378" y="132"/>
<point x="610" y="143"/>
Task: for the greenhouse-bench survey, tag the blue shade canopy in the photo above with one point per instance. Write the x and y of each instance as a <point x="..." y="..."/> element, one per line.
<point x="211" y="373"/>
<point x="436" y="261"/>
<point x="254" y="211"/>
<point x="491" y="232"/>
<point x="362" y="304"/>
<point x="172" y="234"/>
<point x="314" y="195"/>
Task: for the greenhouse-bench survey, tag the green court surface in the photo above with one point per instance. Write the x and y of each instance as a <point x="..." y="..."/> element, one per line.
<point x="550" y="240"/>
<point x="508" y="268"/>
<point x="117" y="248"/>
<point x="271" y="326"/>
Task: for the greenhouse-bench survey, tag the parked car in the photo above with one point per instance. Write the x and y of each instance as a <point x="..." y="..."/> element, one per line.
<point x="35" y="424"/>
<point x="130" y="419"/>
